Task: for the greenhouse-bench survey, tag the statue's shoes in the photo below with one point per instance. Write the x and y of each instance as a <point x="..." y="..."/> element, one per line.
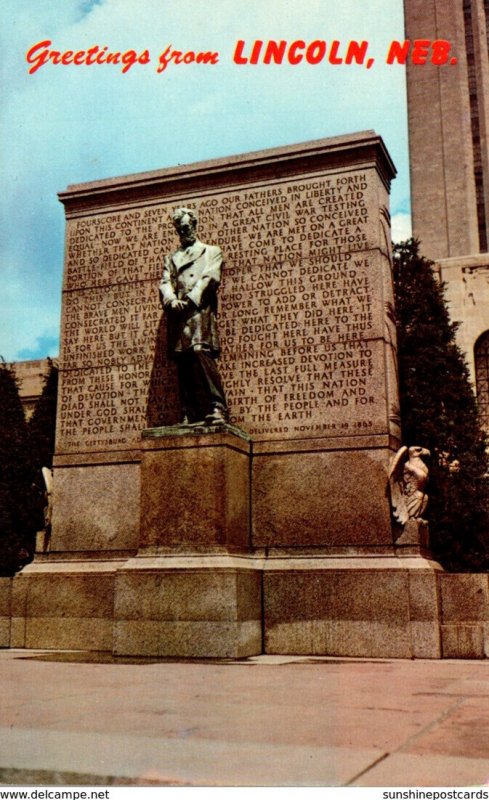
<point x="217" y="417"/>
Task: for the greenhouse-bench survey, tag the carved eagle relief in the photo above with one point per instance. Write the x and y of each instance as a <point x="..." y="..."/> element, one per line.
<point x="408" y="477"/>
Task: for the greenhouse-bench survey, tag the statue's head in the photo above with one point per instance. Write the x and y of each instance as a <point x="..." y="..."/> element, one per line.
<point x="185" y="221"/>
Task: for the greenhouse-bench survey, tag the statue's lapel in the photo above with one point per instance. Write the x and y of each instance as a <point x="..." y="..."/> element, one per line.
<point x="182" y="258"/>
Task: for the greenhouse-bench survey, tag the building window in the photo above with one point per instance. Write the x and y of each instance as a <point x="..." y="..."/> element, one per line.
<point x="481" y="355"/>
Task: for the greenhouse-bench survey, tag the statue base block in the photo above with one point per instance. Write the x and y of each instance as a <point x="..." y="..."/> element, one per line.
<point x="192" y="591"/>
<point x="5" y="592"/>
<point x="64" y="605"/>
<point x="367" y="607"/>
<point x="195" y="489"/>
<point x="189" y="607"/>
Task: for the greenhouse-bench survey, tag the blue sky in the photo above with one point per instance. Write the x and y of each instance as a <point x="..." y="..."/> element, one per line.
<point x="69" y="124"/>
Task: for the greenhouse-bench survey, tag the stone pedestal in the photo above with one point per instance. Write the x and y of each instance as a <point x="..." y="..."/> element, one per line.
<point x="366" y="607"/>
<point x="64" y="605"/>
<point x="189" y="606"/>
<point x="195" y="489"/>
<point x="5" y="611"/>
<point x="464" y="615"/>
<point x="193" y="590"/>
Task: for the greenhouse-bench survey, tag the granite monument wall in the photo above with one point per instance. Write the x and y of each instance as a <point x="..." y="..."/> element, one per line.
<point x="308" y="346"/>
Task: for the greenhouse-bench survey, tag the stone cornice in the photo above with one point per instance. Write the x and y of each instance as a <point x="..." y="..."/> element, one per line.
<point x="359" y="151"/>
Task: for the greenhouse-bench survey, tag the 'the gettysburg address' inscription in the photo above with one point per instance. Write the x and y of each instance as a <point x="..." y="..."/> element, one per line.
<point x="301" y="314"/>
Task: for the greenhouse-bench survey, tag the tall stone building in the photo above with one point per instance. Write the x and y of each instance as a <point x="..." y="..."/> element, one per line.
<point x="31" y="376"/>
<point x="448" y="112"/>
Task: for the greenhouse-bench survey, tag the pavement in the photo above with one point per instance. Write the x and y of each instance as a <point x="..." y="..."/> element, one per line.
<point x="72" y="718"/>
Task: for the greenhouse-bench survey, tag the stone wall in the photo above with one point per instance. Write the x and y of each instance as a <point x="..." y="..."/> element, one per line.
<point x="308" y="346"/>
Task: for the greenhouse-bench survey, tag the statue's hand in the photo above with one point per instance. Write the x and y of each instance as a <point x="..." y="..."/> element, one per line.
<point x="179" y="305"/>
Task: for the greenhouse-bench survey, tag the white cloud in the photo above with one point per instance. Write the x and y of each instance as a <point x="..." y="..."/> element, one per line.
<point x="24" y="324"/>
<point x="401" y="227"/>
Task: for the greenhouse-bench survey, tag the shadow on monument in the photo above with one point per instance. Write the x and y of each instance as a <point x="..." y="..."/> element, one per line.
<point x="163" y="400"/>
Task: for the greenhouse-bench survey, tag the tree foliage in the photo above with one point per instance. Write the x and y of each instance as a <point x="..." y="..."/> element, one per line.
<point x="439" y="411"/>
<point x="19" y="499"/>
<point x="42" y="424"/>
